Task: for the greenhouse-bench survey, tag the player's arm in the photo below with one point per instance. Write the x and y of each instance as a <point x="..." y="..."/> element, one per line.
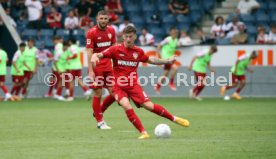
<point x="236" y="66"/>
<point x="158" y="61"/>
<point x="159" y="46"/>
<point x="192" y="62"/>
<point x="90" y="65"/>
<point x="25" y="64"/>
<point x="96" y="58"/>
<point x="210" y="67"/>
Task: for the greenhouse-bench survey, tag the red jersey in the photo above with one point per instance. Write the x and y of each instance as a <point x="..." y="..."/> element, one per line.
<point x="125" y="63"/>
<point x="99" y="40"/>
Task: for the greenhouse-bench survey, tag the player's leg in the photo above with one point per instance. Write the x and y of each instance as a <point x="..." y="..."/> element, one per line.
<point x="58" y="94"/>
<point x="5" y="89"/>
<point x="234" y="84"/>
<point x="200" y="78"/>
<point x="78" y="76"/>
<point x="133" y="118"/>
<point x="161" y="80"/>
<point x="174" y="69"/>
<point x="27" y="77"/>
<point x="161" y="111"/>
<point x="108" y="100"/>
<point x="236" y="94"/>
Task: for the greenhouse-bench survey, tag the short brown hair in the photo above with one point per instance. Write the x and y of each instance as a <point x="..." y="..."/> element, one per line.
<point x="102" y="12"/>
<point x="129" y="29"/>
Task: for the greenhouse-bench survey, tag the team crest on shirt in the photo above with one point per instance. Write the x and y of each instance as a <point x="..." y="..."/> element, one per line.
<point x="109" y="35"/>
<point x="135" y="55"/>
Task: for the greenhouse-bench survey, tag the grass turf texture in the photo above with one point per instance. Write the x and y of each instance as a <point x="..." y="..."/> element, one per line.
<point x="48" y="129"/>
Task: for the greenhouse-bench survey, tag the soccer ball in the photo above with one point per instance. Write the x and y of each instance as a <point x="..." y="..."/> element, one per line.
<point x="226" y="97"/>
<point x="162" y="131"/>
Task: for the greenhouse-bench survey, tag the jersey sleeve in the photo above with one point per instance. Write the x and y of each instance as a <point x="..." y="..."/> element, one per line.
<point x="144" y="57"/>
<point x="109" y="53"/>
<point x="242" y="57"/>
<point x="89" y="40"/>
<point x="15" y="56"/>
<point x="57" y="55"/>
<point x="201" y="53"/>
<point x="165" y="41"/>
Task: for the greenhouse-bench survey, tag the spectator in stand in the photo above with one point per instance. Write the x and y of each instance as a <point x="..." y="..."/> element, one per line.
<point x="113" y="7"/>
<point x="178" y="7"/>
<point x="18" y="7"/>
<point x="232" y="28"/>
<point x="247" y="6"/>
<point x="262" y="37"/>
<point x="241" y="37"/>
<point x="125" y="23"/>
<point x="10" y="19"/>
<point x="21" y="22"/>
<point x="272" y="35"/>
<point x="46" y="3"/>
<point x="218" y="29"/>
<point x="146" y="38"/>
<point x="184" y="39"/>
<point x="54" y="19"/>
<point x="82" y="8"/>
<point x="6" y="3"/>
<point x="61" y="3"/>
<point x="203" y="38"/>
<point x="34" y="13"/>
<point x="71" y="22"/>
<point x="96" y="6"/>
<point x="86" y="22"/>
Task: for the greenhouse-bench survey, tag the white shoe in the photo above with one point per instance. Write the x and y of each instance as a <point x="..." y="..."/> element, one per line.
<point x="55" y="96"/>
<point x="88" y="94"/>
<point x="197" y="98"/>
<point x="61" y="98"/>
<point x="7" y="97"/>
<point x="103" y="126"/>
<point x="191" y="93"/>
<point x="69" y="99"/>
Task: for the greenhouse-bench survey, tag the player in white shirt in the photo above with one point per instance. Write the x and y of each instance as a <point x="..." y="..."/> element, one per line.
<point x="34" y="12"/>
<point x="233" y="27"/>
<point x="246" y="6"/>
<point x="218" y="29"/>
<point x="146" y="38"/>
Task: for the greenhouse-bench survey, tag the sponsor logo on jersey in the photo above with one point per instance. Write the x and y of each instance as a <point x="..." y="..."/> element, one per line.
<point x="99" y="38"/>
<point x="109" y="35"/>
<point x="127" y="63"/>
<point x="121" y="55"/>
<point x="104" y="44"/>
<point x="135" y="55"/>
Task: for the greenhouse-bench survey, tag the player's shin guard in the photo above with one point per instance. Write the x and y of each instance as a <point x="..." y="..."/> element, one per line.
<point x="133" y="118"/>
<point x="107" y="102"/>
<point x="5" y="89"/>
<point x="97" y="109"/>
<point x="161" y="111"/>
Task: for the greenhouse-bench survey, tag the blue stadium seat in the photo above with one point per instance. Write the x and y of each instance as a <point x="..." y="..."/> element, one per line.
<point x="63" y="33"/>
<point x="247" y="19"/>
<point x="251" y="40"/>
<point x="158" y="39"/>
<point x="251" y="30"/>
<point x="224" y="41"/>
<point x="208" y="5"/>
<point x="182" y="26"/>
<point x="133" y="8"/>
<point x="29" y="33"/>
<point x="272" y="5"/>
<point x="46" y="34"/>
<point x="149" y="7"/>
<point x="49" y="44"/>
<point x="169" y="19"/>
<point x="183" y="19"/>
<point x="79" y="33"/>
<point x="162" y="8"/>
<point x="195" y="17"/>
<point x="157" y="31"/>
<point x="66" y="9"/>
<point x="262" y="18"/>
<point x="40" y="44"/>
<point x="137" y="20"/>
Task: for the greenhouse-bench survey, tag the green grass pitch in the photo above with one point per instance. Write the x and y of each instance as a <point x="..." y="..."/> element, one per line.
<point x="49" y="129"/>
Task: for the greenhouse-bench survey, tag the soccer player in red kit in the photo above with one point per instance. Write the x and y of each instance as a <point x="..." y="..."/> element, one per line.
<point x="99" y="38"/>
<point x="126" y="58"/>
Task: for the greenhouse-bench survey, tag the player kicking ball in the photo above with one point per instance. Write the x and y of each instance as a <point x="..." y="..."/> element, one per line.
<point x="238" y="74"/>
<point x="199" y="64"/>
<point x="126" y="58"/>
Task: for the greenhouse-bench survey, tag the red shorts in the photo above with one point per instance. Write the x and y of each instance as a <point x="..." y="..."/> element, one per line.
<point x="2" y="78"/>
<point x="28" y="75"/>
<point x="236" y="79"/>
<point x="17" y="79"/>
<point x="135" y="93"/>
<point x="76" y="73"/>
<point x="102" y="79"/>
<point x="167" y="66"/>
<point x="199" y="75"/>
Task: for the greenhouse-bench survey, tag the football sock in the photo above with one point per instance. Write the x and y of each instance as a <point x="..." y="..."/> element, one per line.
<point x="97" y="108"/>
<point x="161" y="111"/>
<point x="59" y="91"/>
<point x="133" y="118"/>
<point x="5" y="89"/>
<point x="238" y="90"/>
<point x="24" y="90"/>
<point x="107" y="102"/>
<point x="171" y="80"/>
<point x="17" y="90"/>
<point x="200" y="88"/>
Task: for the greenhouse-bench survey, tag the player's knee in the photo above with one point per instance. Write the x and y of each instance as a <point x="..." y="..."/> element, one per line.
<point x="148" y="105"/>
<point x="97" y="92"/>
<point x="243" y="83"/>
